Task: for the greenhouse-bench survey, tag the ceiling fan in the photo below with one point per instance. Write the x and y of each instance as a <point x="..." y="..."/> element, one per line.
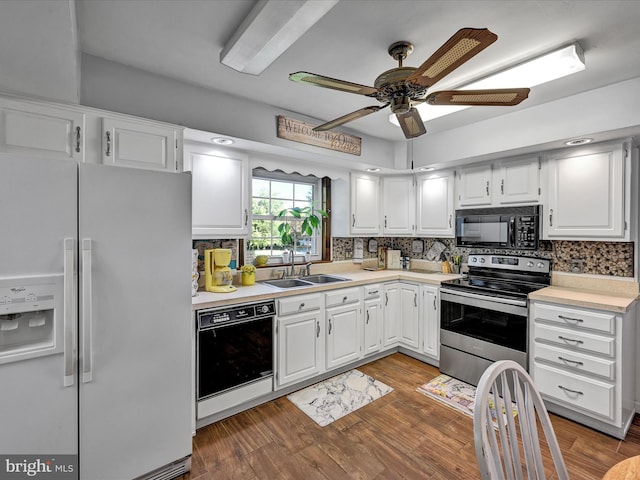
<point x="404" y="87"/>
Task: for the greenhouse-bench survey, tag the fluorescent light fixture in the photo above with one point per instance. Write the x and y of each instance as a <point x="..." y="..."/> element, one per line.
<point x="545" y="68"/>
<point x="222" y="141"/>
<point x="271" y="27"/>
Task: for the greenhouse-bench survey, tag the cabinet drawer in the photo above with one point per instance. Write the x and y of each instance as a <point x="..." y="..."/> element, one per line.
<point x="298" y="304"/>
<point x="575" y="361"/>
<point x="584" y="393"/>
<point x="372" y="291"/>
<point x="342" y="297"/>
<point x="600" y="321"/>
<point x="575" y="340"/>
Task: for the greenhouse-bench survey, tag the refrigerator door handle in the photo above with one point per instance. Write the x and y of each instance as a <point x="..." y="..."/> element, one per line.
<point x="87" y="374"/>
<point x="69" y="313"/>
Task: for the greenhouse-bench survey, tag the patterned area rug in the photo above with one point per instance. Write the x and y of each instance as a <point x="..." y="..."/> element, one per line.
<point x="338" y="396"/>
<point x="456" y="394"/>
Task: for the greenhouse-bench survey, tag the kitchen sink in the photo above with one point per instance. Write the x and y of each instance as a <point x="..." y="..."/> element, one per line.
<point x="323" y="278"/>
<point x="288" y="283"/>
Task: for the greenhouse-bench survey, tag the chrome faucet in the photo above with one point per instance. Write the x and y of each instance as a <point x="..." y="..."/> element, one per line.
<point x="292" y="270"/>
<point x="308" y="268"/>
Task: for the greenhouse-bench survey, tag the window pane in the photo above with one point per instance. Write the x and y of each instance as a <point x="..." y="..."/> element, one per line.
<point x="260" y="206"/>
<point x="278" y="205"/>
<point x="281" y="190"/>
<point x="303" y="192"/>
<point x="302" y="204"/>
<point x="260" y="187"/>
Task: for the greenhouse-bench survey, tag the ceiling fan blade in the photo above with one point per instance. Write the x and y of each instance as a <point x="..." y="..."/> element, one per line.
<point x="499" y="97"/>
<point x="334" y="83"/>
<point x="411" y="123"/>
<point x="461" y="47"/>
<point x="349" y="117"/>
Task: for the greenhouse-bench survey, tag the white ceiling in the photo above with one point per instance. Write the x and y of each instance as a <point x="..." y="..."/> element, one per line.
<point x="182" y="39"/>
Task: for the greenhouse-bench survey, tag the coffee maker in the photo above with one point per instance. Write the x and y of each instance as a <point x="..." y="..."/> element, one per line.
<point x="217" y="274"/>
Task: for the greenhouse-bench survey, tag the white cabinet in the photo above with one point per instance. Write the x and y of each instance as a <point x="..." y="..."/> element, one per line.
<point x="430" y="321"/>
<point x="343" y="327"/>
<point x="372" y="337"/>
<point x="390" y="319"/>
<point x="435" y="211"/>
<point x="140" y="144"/>
<point x="365" y="204"/>
<point x="517" y="181"/>
<point x="409" y="316"/>
<point x="474" y="186"/>
<point x="299" y="338"/>
<point x="582" y="361"/>
<point x="220" y="191"/>
<point x="586" y="193"/>
<point x="398" y="205"/>
<point x="41" y="129"/>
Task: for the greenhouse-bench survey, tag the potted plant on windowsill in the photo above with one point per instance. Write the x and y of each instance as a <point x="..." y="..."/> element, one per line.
<point x="307" y="218"/>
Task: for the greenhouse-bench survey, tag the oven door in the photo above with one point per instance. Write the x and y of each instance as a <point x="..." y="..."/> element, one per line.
<point x="233" y="354"/>
<point x="494" y="320"/>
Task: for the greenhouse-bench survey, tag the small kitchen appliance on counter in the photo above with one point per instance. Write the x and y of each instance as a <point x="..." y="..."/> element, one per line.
<point x="217" y="272"/>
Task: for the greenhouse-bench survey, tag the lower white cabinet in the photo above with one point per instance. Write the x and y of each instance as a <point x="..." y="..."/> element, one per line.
<point x="430" y="320"/>
<point x="390" y="317"/>
<point x="582" y="361"/>
<point x="372" y="337"/>
<point x="343" y="326"/>
<point x="300" y="336"/>
<point x="401" y="315"/>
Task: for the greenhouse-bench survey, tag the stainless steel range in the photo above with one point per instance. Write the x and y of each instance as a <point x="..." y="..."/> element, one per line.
<point x="484" y="315"/>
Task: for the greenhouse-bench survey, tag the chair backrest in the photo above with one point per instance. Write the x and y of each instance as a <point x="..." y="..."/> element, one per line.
<point x="501" y="444"/>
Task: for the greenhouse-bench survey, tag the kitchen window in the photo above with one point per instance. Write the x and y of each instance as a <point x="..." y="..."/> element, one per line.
<point x="271" y="193"/>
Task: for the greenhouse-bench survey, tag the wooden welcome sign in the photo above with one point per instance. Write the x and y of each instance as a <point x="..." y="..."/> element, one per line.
<point x="297" y="131"/>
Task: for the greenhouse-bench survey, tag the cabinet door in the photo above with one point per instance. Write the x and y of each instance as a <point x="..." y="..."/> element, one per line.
<point x="41" y="130"/>
<point x="300" y="349"/>
<point x="391" y="317"/>
<point x="431" y="321"/>
<point x="220" y="192"/>
<point x="435" y="206"/>
<point x="474" y="186"/>
<point x="372" y="326"/>
<point x="409" y="316"/>
<point x="128" y="143"/>
<point x="343" y="335"/>
<point x="398" y="200"/>
<point x="518" y="181"/>
<point x="365" y="198"/>
<point x="586" y="194"/>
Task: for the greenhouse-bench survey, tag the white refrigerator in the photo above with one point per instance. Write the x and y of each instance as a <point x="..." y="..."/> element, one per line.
<point x="95" y="320"/>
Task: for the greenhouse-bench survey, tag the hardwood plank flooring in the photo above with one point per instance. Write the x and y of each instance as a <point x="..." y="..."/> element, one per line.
<point x="403" y="435"/>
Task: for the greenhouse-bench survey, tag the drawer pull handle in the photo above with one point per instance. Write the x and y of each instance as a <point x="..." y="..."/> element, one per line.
<point x="566" y="360"/>
<point x="573" y="340"/>
<point x="344" y="299"/>
<point x="301" y="306"/>
<point x="373" y="292"/>
<point x="570" y="319"/>
<point x="565" y="389"/>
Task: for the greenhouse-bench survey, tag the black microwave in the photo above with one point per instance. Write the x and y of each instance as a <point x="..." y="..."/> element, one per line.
<point x="516" y="228"/>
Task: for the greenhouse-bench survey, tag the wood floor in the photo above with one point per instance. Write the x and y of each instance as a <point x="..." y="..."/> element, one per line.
<point x="403" y="435"/>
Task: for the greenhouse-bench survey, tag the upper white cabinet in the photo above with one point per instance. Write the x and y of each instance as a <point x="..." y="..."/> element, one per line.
<point x="41" y="129"/>
<point x="435" y="211"/>
<point x="586" y="197"/>
<point x="398" y="205"/>
<point x="517" y="181"/>
<point x="365" y="201"/>
<point x="220" y="191"/>
<point x="140" y="144"/>
<point x="474" y="186"/>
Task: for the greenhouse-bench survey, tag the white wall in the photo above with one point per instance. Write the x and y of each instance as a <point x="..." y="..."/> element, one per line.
<point x="115" y="87"/>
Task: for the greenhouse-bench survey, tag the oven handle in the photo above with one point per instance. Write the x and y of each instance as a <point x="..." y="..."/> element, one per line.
<point x="476" y="300"/>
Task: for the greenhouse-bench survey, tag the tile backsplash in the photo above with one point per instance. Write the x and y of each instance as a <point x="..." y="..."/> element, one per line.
<point x="598" y="258"/>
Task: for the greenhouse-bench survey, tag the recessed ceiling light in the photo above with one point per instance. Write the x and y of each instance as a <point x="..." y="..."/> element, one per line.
<point x="222" y="141"/>
<point x="578" y="141"/>
<point x="373" y="170"/>
<point x="426" y="169"/>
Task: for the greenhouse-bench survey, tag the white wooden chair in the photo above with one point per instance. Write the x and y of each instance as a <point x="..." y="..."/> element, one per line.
<point x="499" y="449"/>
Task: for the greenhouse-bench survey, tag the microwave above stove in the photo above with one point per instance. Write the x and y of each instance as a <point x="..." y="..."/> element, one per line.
<point x="516" y="228"/>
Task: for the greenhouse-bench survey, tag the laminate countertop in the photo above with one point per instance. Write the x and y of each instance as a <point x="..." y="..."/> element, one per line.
<point x="260" y="291"/>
